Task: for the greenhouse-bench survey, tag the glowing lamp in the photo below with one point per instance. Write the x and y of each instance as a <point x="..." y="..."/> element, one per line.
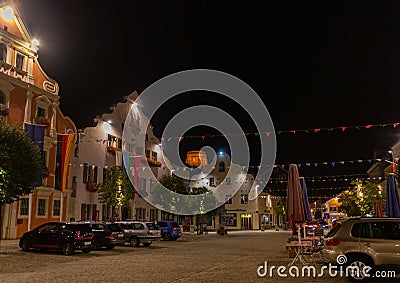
<point x="109" y="121"/>
<point x="35" y="43"/>
<point x="7" y="14"/>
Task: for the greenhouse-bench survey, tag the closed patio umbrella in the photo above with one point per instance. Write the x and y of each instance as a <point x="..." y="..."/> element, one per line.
<point x="306" y="203"/>
<point x="378" y="209"/>
<point x="294" y="200"/>
<point x="392" y="197"/>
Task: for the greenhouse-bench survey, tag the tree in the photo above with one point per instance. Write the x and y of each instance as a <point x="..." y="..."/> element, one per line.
<point x="116" y="190"/>
<point x="361" y="200"/>
<point x="20" y="164"/>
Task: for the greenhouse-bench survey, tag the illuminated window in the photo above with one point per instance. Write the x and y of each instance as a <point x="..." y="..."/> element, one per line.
<point x="154" y="156"/>
<point x="212" y="181"/>
<point x="244" y="199"/>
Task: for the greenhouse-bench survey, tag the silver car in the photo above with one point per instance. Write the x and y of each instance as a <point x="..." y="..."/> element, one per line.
<point x="364" y="242"/>
<point x="140" y="232"/>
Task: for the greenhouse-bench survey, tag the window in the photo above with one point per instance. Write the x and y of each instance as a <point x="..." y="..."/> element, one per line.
<point x="24" y="206"/>
<point x="147" y="153"/>
<point x="95" y="173"/>
<point x="222" y="166"/>
<point x="85" y="173"/>
<point x="41" y="210"/>
<point x="86" y="211"/>
<point x="3" y="52"/>
<point x="212" y="181"/>
<point x="56" y="207"/>
<point x="19" y="62"/>
<point x="228" y="180"/>
<point x="106" y="212"/>
<point x="40" y="112"/>
<point x="2" y="98"/>
<point x="154" y="156"/>
<point x="332" y="208"/>
<point x="153" y="214"/>
<point x="114" y="142"/>
<point x="244" y="199"/>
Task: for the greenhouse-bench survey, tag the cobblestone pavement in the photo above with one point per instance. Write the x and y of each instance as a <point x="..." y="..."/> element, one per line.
<point x="193" y="258"/>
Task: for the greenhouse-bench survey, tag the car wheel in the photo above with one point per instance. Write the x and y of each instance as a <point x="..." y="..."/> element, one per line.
<point x="25" y="245"/>
<point x="68" y="249"/>
<point x="134" y="242"/>
<point x="146" y="244"/>
<point x="86" y="251"/>
<point x="355" y="266"/>
<point x="110" y="247"/>
<point x="167" y="237"/>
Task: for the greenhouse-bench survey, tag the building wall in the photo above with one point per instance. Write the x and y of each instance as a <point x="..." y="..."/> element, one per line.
<point x="27" y="87"/>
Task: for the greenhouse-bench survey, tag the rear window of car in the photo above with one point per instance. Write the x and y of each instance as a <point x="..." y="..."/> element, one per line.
<point x="152" y="226"/>
<point x="334" y="230"/>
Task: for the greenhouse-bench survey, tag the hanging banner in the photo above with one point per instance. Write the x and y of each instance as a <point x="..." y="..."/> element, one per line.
<point x="64" y="148"/>
<point x="36" y="134"/>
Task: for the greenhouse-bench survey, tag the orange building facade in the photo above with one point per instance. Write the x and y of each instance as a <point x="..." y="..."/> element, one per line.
<point x="29" y="99"/>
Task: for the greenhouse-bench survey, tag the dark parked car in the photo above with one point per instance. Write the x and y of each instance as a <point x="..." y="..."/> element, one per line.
<point x="170" y="230"/>
<point x="63" y="236"/>
<point x="106" y="235"/>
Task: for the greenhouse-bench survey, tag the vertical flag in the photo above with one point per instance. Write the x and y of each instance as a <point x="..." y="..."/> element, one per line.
<point x="64" y="148"/>
<point x="36" y="134"/>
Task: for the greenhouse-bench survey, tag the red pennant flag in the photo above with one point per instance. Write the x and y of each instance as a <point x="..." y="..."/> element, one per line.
<point x="317" y="130"/>
<point x="268" y="133"/>
<point x="223" y="135"/>
<point x="368" y="126"/>
<point x="395" y="125"/>
<point x="246" y="134"/>
<point x="180" y="139"/>
<point x="293" y="131"/>
<point x="343" y="128"/>
<point x="203" y="137"/>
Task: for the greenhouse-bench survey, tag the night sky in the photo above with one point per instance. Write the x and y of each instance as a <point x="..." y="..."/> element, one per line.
<point x="315" y="65"/>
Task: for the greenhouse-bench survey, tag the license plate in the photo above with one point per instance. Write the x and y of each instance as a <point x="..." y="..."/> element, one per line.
<point x="87" y="243"/>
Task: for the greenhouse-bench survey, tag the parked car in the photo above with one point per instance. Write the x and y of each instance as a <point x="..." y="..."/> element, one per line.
<point x="373" y="242"/>
<point x="140" y="232"/>
<point x="170" y="230"/>
<point x="106" y="235"/>
<point x="64" y="236"/>
<point x="317" y="227"/>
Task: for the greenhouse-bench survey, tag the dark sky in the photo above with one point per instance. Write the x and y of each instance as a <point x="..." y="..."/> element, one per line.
<point x="315" y="65"/>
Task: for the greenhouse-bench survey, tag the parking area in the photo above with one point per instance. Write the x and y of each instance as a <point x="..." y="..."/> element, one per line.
<point x="192" y="258"/>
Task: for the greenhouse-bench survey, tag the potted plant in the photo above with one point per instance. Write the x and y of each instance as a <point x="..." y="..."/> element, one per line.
<point x="42" y="121"/>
